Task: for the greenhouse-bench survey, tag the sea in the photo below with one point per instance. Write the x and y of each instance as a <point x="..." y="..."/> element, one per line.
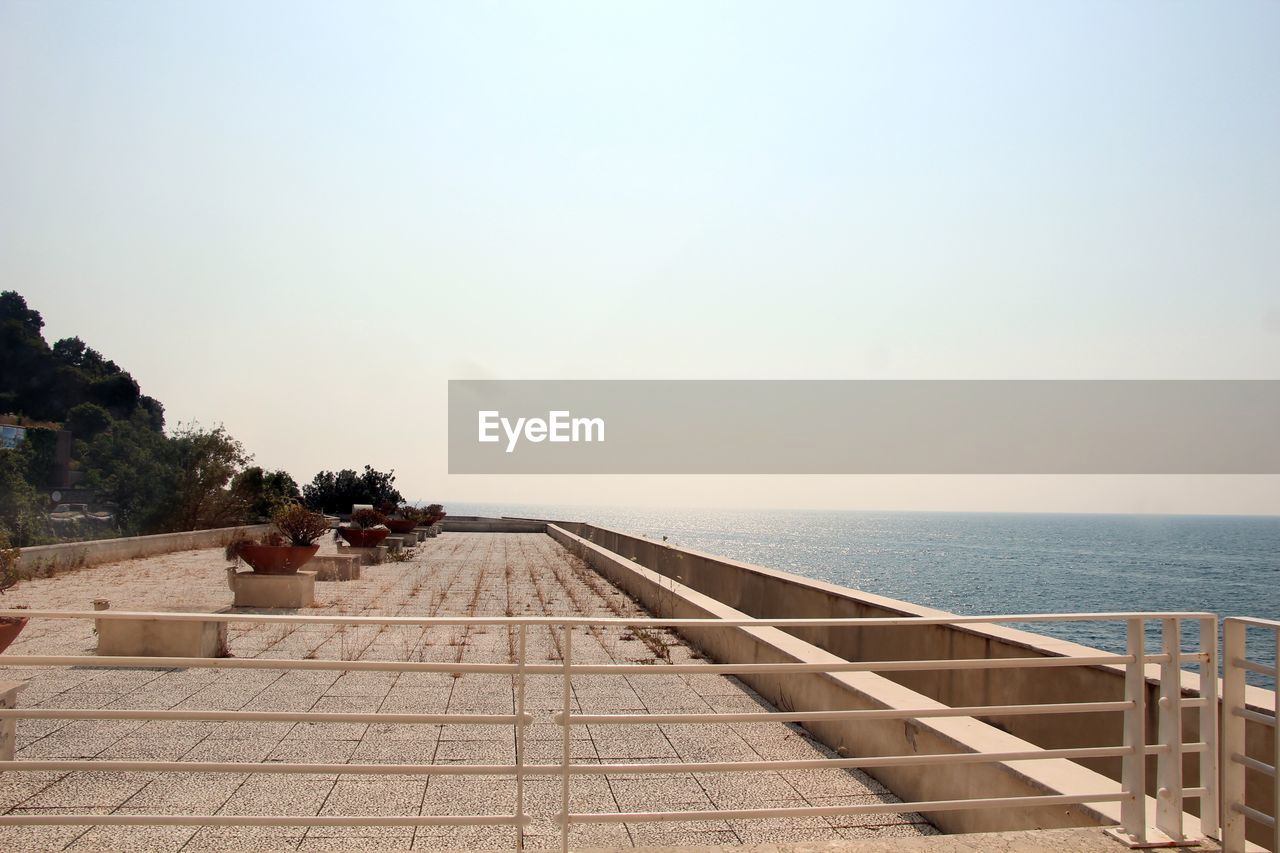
<point x="991" y="563"/>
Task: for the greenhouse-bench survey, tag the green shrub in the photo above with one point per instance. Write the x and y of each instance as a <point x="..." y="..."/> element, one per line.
<point x="299" y="525"/>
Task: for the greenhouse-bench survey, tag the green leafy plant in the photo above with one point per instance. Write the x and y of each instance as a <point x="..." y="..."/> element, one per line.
<point x="235" y="548"/>
<point x="299" y="525"/>
<point x="366" y="518"/>
<point x="8" y="563"/>
<point x="434" y="514"/>
<point x="408" y="513"/>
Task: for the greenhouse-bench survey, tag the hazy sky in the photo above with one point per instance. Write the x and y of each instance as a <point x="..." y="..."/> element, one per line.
<point x="301" y="219"/>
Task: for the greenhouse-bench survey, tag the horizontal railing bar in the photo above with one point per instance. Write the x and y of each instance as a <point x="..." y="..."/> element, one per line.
<point x="819" y="716"/>
<point x="825" y="811"/>
<point x="1254" y="621"/>
<point x="107" y="661"/>
<point x="1254" y="764"/>
<point x="1160" y="748"/>
<point x="1259" y="668"/>
<point x="257" y="820"/>
<point x="247" y="767"/>
<point x="854" y="666"/>
<point x="1254" y="814"/>
<point x="1255" y="716"/>
<point x="831" y="763"/>
<point x="269" y="767"/>
<point x="860" y="621"/>
<point x="556" y="669"/>
<point x="260" y="716"/>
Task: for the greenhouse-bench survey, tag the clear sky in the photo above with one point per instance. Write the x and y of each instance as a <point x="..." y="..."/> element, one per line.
<point x="301" y="219"/>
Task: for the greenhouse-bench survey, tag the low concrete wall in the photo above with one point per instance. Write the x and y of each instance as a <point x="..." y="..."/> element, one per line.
<point x="766" y="593"/>
<point x="44" y="560"/>
<point x="493" y="525"/>
<point x="848" y="691"/>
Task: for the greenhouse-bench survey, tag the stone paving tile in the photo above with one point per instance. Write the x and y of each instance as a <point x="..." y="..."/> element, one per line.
<point x="457" y="574"/>
<point x="88" y="790"/>
<point x="15" y="787"/>
<point x="219" y="839"/>
<point x="44" y="837"/>
<point x="117" y="838"/>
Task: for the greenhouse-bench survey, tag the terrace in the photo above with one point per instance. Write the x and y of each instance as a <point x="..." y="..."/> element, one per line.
<point x="423" y="706"/>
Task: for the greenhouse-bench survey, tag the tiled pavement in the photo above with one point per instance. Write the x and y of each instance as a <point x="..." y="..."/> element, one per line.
<point x="456" y="574"/>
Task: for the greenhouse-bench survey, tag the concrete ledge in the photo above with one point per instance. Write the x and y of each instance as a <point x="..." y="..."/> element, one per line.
<point x="400" y="541"/>
<point x="367" y="556"/>
<point x="273" y="592"/>
<point x="339" y="568"/>
<point x="43" y="560"/>
<point x="162" y="638"/>
<point x="1032" y="841"/>
<point x="847" y="691"/>
<point x="764" y="593"/>
<point x="492" y="525"/>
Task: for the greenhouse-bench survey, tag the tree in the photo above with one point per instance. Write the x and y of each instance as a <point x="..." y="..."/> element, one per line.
<point x="87" y="420"/>
<point x="261" y="492"/>
<point x="206" y="461"/>
<point x="45" y="383"/>
<point x="21" y="506"/>
<point x="132" y="468"/>
<point x="337" y="492"/>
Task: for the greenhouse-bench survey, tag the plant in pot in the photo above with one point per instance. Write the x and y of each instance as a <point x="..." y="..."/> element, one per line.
<point x="10" y="626"/>
<point x="434" y="514"/>
<point x="287" y="548"/>
<point x="404" y="519"/>
<point x="367" y="529"/>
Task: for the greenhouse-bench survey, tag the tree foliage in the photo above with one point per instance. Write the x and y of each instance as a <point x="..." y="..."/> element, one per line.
<point x="190" y="479"/>
<point x="21" y="516"/>
<point x="261" y="492"/>
<point x="336" y="492"/>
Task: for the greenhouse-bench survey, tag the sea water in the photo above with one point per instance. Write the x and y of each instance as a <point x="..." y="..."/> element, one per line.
<point x="991" y="563"/>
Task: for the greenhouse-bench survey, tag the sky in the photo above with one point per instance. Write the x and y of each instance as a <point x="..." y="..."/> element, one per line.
<point x="301" y="219"/>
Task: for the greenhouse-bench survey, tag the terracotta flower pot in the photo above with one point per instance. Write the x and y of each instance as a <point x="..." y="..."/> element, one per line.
<point x="360" y="537"/>
<point x="10" y="628"/>
<point x="401" y="525"/>
<point x="277" y="559"/>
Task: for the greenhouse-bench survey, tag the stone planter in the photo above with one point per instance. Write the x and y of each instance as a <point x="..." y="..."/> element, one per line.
<point x="277" y="559"/>
<point x="274" y="592"/>
<point x="401" y="525"/>
<point x="205" y="638"/>
<point x="343" y="567"/>
<point x="360" y="537"/>
<point x="10" y="628"/>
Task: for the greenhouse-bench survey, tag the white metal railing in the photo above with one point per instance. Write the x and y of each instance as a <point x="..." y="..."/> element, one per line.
<point x="1138" y="665"/>
<point x="1236" y="714"/>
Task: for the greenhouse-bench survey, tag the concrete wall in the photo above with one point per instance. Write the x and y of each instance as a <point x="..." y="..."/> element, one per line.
<point x="766" y="593"/>
<point x="45" y="560"/>
<point x="476" y="524"/>
<point x="847" y="691"/>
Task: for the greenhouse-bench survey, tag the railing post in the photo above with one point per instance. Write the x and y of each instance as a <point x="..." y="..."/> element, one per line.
<point x="1275" y="739"/>
<point x="1169" y="760"/>
<point x="1233" y="747"/>
<point x="520" y="733"/>
<point x="9" y="691"/>
<point x="1133" y="809"/>
<point x="566" y="654"/>
<point x="1209" y="803"/>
